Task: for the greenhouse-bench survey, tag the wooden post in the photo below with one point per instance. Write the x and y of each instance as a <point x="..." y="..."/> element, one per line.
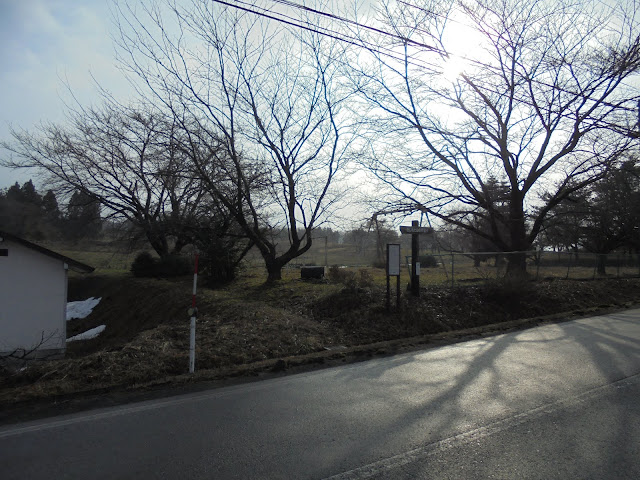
<point x="415" y="230"/>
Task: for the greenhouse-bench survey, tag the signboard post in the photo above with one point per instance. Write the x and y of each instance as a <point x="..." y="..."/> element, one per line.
<point x="193" y="313"/>
<point x="415" y="230"/>
<point x="393" y="270"/>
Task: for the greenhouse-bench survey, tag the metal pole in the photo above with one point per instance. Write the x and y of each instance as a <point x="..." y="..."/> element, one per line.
<point x="326" y="261"/>
<point x="193" y="312"/>
<point x="388" y="303"/>
<point x="452" y="272"/>
<point x="415" y="247"/>
<point x="388" y="299"/>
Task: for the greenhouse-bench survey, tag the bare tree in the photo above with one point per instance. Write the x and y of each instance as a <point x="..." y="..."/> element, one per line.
<point x="542" y="100"/>
<point x="128" y="159"/>
<point x="261" y="107"/>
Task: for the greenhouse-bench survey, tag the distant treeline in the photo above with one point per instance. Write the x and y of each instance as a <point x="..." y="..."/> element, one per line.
<point x="27" y="213"/>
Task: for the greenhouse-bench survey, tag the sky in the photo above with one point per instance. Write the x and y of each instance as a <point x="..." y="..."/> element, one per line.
<point x="45" y="45"/>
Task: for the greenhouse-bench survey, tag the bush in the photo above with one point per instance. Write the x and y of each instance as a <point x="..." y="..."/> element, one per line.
<point x="379" y="264"/>
<point x="366" y="279"/>
<point x="427" y="261"/>
<point x="146" y="265"/>
<point x="218" y="267"/>
<point x="350" y="279"/>
<point x="174" y="266"/>
<point x="338" y="274"/>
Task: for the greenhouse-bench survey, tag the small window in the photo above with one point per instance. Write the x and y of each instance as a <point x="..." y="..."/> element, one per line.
<point x="4" y="252"/>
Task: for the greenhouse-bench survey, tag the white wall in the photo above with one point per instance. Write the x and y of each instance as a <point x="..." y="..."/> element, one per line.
<point x="33" y="296"/>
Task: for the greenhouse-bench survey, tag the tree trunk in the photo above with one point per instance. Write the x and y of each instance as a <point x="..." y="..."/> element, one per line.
<point x="158" y="243"/>
<point x="275" y="264"/>
<point x="517" y="258"/>
<point x="274" y="269"/>
<point x="517" y="264"/>
<point x="602" y="264"/>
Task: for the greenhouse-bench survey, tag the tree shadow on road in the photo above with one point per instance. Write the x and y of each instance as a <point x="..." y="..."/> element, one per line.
<point x="421" y="398"/>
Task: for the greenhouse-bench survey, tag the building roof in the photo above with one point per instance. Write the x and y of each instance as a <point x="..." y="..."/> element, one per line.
<point x="73" y="264"/>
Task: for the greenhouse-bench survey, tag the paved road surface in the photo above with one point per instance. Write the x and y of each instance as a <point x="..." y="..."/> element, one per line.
<point x="559" y="401"/>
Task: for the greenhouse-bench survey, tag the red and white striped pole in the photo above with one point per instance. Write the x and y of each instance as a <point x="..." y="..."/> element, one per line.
<point x="193" y="311"/>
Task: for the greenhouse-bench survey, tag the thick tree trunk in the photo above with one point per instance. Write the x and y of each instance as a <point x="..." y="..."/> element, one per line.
<point x="517" y="265"/>
<point x="517" y="259"/>
<point x="274" y="268"/>
<point x="274" y="274"/>
<point x="158" y="243"/>
<point x="601" y="264"/>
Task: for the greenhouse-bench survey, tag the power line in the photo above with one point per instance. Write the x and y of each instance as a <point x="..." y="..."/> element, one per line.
<point x="375" y="49"/>
<point x="351" y="40"/>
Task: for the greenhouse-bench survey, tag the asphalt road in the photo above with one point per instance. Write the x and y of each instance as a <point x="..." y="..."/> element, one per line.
<point x="559" y="401"/>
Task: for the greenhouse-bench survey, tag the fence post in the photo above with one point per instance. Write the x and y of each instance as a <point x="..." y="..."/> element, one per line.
<point x="444" y="267"/>
<point x="193" y="312"/>
<point x="452" y="269"/>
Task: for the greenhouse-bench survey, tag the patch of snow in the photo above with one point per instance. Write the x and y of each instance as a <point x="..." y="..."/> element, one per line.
<point x="82" y="308"/>
<point x="89" y="334"/>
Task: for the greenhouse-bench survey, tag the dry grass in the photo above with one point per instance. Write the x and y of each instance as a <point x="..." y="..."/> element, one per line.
<point x="246" y="323"/>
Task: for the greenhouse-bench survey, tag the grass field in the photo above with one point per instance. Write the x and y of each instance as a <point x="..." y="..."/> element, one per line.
<point x="451" y="269"/>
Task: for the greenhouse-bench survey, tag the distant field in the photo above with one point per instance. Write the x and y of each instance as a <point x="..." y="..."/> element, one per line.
<point x="102" y="258"/>
<point x="450" y="269"/>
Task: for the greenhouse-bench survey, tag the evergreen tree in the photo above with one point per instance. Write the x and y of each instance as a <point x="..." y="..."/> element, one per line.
<point x="50" y="205"/>
<point x="83" y="216"/>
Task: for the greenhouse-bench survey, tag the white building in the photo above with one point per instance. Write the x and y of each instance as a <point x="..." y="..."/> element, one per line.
<point x="33" y="296"/>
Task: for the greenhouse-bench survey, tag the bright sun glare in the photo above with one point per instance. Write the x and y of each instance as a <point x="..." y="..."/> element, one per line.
<point x="464" y="45"/>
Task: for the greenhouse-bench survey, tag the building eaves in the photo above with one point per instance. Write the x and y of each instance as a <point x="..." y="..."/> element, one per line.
<point x="73" y="264"/>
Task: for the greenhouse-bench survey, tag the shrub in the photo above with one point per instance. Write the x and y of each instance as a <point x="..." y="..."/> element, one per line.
<point x="350" y="279"/>
<point x="427" y="261"/>
<point x="146" y="265"/>
<point x="366" y="279"/>
<point x="218" y="267"/>
<point x="174" y="266"/>
<point x="379" y="264"/>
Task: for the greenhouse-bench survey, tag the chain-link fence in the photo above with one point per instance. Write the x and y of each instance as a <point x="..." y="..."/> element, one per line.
<point x="439" y="267"/>
<point x="458" y="267"/>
